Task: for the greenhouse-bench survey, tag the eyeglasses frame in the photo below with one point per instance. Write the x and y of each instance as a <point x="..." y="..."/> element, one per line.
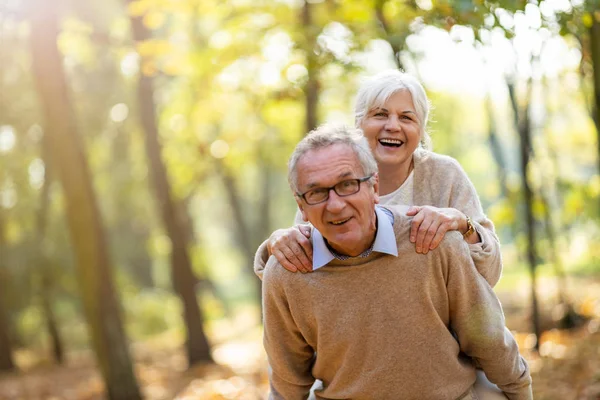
<point x="329" y="189"/>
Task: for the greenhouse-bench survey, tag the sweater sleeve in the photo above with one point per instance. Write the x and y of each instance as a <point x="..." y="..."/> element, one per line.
<point x="290" y="357"/>
<point x="262" y="253"/>
<point x="476" y="317"/>
<point x="486" y="254"/>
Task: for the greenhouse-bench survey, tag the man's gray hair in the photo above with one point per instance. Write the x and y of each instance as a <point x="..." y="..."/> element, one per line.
<point x="375" y="91"/>
<point x="329" y="135"/>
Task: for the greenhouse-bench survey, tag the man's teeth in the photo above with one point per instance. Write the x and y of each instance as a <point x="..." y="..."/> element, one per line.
<point x="340" y="221"/>
<point x="391" y="142"/>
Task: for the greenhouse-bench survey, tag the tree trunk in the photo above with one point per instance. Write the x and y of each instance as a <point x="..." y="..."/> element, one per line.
<point x="184" y="281"/>
<point x="311" y="88"/>
<point x="46" y="279"/>
<point x="496" y="149"/>
<point x="243" y="232"/>
<point x="595" y="51"/>
<point x="137" y="259"/>
<point x="396" y="42"/>
<point x="6" y="358"/>
<point x="523" y="128"/>
<point x="100" y="301"/>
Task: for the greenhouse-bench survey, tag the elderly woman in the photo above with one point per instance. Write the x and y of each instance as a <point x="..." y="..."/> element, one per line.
<point x="392" y="110"/>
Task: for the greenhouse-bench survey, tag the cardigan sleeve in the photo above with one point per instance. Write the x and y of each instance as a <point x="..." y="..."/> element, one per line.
<point x="477" y="319"/>
<point x="290" y="356"/>
<point x="486" y="254"/>
<point x="260" y="259"/>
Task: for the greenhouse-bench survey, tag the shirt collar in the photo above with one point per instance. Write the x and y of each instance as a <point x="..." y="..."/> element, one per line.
<point x="385" y="240"/>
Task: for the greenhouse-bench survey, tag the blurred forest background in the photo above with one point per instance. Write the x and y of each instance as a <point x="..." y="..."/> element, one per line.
<point x="143" y="150"/>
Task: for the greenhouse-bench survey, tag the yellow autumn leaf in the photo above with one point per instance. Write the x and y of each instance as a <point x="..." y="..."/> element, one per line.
<point x="138" y="8"/>
<point x="154" y="20"/>
<point x="153" y="48"/>
<point x="173" y="68"/>
<point x="148" y="68"/>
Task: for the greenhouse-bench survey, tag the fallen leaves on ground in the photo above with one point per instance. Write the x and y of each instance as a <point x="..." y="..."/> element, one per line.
<point x="567" y="366"/>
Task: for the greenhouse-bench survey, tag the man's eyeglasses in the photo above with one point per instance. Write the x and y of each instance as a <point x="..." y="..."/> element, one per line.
<point x="342" y="189"/>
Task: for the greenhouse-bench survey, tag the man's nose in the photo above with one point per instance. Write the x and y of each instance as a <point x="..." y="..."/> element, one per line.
<point x="335" y="202"/>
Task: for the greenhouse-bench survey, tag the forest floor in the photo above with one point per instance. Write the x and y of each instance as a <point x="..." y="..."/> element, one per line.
<point x="567" y="367"/>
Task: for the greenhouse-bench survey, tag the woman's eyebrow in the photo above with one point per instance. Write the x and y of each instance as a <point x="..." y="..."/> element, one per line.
<point x="386" y="110"/>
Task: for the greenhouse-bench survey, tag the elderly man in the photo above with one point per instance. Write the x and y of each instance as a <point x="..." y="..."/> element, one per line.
<point x="376" y="319"/>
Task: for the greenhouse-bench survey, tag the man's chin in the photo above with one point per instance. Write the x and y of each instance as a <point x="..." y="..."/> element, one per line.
<point x="342" y="243"/>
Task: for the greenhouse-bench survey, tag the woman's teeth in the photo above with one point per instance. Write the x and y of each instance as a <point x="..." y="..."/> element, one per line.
<point x="391" y="142"/>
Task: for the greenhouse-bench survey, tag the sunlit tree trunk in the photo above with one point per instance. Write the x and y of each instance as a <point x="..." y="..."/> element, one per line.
<point x="496" y="149"/>
<point x="100" y="301"/>
<point x="311" y="89"/>
<point x="46" y="280"/>
<point x="595" y="51"/>
<point x="524" y="130"/>
<point x="184" y="281"/>
<point x="567" y="317"/>
<point x="396" y="42"/>
<point x="203" y="282"/>
<point x="138" y="260"/>
<point x="6" y="358"/>
<point x="245" y="236"/>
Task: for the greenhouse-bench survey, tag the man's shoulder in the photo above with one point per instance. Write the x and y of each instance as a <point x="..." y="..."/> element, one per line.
<point x="276" y="274"/>
<point x="274" y="271"/>
<point x="401" y="220"/>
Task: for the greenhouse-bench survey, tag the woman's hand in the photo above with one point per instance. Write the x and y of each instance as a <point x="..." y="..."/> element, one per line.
<point x="292" y="248"/>
<point x="430" y="224"/>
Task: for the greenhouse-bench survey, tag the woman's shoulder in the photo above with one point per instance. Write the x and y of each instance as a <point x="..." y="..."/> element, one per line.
<point x="429" y="160"/>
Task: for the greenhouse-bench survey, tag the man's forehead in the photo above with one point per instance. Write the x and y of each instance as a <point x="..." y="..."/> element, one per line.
<point x="328" y="165"/>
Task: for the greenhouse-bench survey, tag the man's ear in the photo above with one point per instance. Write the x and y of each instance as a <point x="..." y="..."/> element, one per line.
<point x="301" y="207"/>
<point x="376" y="187"/>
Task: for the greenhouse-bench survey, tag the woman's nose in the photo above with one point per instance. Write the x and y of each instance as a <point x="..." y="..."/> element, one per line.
<point x="392" y="123"/>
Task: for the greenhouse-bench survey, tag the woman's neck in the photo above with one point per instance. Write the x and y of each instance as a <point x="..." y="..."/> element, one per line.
<point x="391" y="177"/>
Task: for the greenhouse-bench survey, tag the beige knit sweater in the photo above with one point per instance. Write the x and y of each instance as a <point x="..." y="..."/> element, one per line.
<point x="381" y="326"/>
<point x="440" y="181"/>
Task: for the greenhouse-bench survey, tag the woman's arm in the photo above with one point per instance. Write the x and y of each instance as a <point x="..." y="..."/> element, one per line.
<point x="291" y="247"/>
<point x="450" y="197"/>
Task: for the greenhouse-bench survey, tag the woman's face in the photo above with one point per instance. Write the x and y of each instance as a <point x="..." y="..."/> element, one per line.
<point x="393" y="131"/>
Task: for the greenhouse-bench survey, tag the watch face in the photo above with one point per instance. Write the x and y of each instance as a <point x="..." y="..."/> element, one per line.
<point x="470" y="228"/>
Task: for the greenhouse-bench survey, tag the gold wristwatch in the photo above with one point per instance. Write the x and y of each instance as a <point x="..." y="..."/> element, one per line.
<point x="470" y="228"/>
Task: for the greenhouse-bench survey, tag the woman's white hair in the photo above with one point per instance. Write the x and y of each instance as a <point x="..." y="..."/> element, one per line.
<point x="328" y="135"/>
<point x="376" y="90"/>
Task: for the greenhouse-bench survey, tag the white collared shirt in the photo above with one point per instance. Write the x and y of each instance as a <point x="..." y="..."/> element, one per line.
<point x="385" y="240"/>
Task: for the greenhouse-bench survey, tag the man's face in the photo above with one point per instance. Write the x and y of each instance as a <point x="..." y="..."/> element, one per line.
<point x="347" y="223"/>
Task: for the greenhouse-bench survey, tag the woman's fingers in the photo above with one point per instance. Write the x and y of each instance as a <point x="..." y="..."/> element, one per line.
<point x="429" y="226"/>
<point x="416" y="222"/>
<point x="421" y="233"/>
<point x="292" y="249"/>
<point x="413" y="210"/>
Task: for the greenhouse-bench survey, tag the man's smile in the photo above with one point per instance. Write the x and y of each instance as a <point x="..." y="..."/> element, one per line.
<point x="340" y="221"/>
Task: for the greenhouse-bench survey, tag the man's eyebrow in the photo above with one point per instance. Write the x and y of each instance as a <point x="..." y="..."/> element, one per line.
<point x="316" y="184"/>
